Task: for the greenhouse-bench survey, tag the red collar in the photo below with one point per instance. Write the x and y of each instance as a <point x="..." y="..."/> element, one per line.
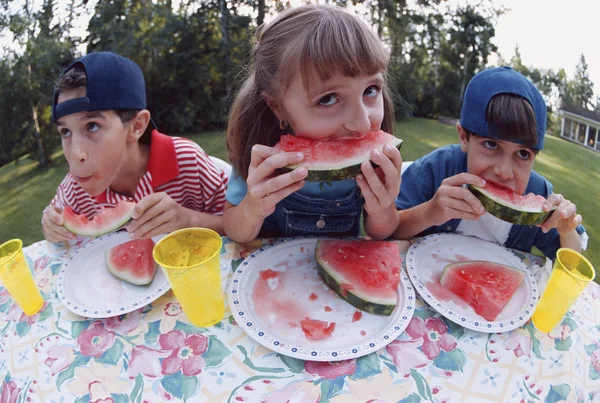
<point x="162" y="162"/>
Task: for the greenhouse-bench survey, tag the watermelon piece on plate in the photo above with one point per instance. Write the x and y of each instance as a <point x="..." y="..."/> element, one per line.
<point x="485" y="286"/>
<point x="109" y="219"/>
<point x="132" y="261"/>
<point x="317" y="329"/>
<point x="334" y="159"/>
<point x="505" y="204"/>
<point x="364" y="273"/>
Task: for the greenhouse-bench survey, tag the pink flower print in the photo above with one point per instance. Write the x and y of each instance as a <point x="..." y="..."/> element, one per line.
<point x="98" y="393"/>
<point x="4" y="295"/>
<point x="172" y="309"/>
<point x="519" y="341"/>
<point x="124" y="324"/>
<point x="330" y="370"/>
<point x="186" y="352"/>
<point x="59" y="358"/>
<point x="596" y="359"/>
<point x="33" y="318"/>
<point x="41" y="263"/>
<point x="10" y="392"/>
<point x="15" y="313"/>
<point x="95" y="340"/>
<point x="434" y="333"/>
<point x="406" y="355"/>
<point x="146" y="361"/>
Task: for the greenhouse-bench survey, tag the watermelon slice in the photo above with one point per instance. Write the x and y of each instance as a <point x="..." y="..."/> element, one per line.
<point x="364" y="273"/>
<point x="107" y="220"/>
<point x="485" y="286"/>
<point x="505" y="204"/>
<point x="333" y="160"/>
<point x="132" y="261"/>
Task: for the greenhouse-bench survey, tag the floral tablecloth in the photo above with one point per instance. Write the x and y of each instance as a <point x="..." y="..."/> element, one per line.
<point x="154" y="354"/>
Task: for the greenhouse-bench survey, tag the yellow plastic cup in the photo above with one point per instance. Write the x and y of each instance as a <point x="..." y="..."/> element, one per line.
<point x="190" y="258"/>
<point x="570" y="275"/>
<point x="18" y="279"/>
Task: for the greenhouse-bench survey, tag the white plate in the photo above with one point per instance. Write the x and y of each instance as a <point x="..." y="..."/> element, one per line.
<point x="86" y="287"/>
<point x="425" y="261"/>
<point x="281" y="333"/>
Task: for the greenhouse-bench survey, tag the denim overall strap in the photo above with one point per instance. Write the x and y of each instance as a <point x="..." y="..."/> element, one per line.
<point x="305" y="215"/>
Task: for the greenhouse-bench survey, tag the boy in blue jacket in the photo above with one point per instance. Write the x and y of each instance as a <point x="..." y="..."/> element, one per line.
<point x="501" y="130"/>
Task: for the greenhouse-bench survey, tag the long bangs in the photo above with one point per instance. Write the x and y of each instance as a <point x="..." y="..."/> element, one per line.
<point x="335" y="44"/>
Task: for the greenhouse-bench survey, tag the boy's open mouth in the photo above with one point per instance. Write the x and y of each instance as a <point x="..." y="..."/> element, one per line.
<point x="500" y="185"/>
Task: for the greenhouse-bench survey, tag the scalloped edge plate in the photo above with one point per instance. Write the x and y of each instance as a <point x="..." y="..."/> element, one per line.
<point x="423" y="264"/>
<point x="103" y="295"/>
<point x="241" y="305"/>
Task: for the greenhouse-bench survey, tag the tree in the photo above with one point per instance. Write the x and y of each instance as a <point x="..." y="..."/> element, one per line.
<point x="582" y="88"/>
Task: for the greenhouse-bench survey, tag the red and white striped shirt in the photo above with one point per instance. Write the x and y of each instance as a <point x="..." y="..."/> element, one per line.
<point x="176" y="166"/>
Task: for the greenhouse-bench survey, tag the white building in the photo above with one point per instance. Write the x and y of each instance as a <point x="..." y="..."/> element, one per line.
<point x="581" y="126"/>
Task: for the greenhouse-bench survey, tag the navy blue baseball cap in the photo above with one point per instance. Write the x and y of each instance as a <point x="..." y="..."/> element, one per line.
<point x="493" y="81"/>
<point x="113" y="83"/>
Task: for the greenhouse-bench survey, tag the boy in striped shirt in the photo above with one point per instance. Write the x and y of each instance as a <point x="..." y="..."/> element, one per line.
<point x="115" y="153"/>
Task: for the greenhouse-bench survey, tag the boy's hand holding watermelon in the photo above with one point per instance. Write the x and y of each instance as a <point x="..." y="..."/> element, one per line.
<point x="565" y="219"/>
<point x="453" y="200"/>
<point x="52" y="225"/>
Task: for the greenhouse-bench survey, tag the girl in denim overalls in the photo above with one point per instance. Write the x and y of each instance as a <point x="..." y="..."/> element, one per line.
<point x="317" y="72"/>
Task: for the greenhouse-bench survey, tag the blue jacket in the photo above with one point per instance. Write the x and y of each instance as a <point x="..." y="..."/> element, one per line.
<point x="423" y="177"/>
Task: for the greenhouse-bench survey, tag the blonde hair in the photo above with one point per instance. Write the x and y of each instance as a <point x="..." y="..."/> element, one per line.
<point x="324" y="38"/>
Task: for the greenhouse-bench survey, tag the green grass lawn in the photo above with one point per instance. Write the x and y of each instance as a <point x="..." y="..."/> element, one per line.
<point x="574" y="171"/>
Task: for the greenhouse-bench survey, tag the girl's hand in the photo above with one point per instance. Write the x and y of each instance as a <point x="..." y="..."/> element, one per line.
<point x="381" y="186"/>
<point x="52" y="225"/>
<point x="157" y="214"/>
<point x="452" y="200"/>
<point x="564" y="218"/>
<point x="266" y="190"/>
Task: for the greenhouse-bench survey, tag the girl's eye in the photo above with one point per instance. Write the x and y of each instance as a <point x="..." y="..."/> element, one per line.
<point x="491" y="145"/>
<point x="92" y="127"/>
<point x="328" y="100"/>
<point x="65" y="133"/>
<point x="372" y="91"/>
<point x="524" y="154"/>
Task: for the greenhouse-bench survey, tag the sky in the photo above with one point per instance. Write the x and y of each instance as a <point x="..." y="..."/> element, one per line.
<point x="552" y="34"/>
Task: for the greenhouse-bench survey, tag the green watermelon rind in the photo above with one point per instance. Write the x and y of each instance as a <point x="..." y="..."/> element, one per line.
<point x="115" y="225"/>
<point x="343" y="171"/>
<point x="500" y="209"/>
<point x="121" y="276"/>
<point x="362" y="302"/>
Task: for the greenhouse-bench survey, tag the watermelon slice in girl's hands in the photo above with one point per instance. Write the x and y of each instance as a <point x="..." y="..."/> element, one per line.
<point x="505" y="204"/>
<point x="109" y="219"/>
<point x="334" y="159"/>
<point x="132" y="261"/>
<point x="485" y="286"/>
<point x="364" y="273"/>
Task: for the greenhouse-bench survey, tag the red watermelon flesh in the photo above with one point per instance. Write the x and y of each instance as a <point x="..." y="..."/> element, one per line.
<point x="132" y="261"/>
<point x="529" y="202"/>
<point x="485" y="286"/>
<point x="327" y="153"/>
<point x="109" y="219"/>
<point x="317" y="329"/>
<point x="365" y="273"/>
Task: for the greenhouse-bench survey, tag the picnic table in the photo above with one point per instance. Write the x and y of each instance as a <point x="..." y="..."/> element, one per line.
<point x="154" y="354"/>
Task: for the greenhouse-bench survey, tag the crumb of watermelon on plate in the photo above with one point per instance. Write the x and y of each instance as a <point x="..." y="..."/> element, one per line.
<point x="317" y="329"/>
<point x="313" y="296"/>
<point x="357" y="316"/>
<point x="328" y="308"/>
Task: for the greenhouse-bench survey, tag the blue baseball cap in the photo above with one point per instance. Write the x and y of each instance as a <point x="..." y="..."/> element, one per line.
<point x="113" y="83"/>
<point x="499" y="80"/>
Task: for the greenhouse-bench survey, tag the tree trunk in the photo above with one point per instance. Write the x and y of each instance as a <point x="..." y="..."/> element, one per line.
<point x="225" y="41"/>
<point x="43" y="157"/>
<point x="261" y="12"/>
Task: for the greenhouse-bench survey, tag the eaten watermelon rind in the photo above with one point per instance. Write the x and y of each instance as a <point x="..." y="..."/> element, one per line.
<point x="506" y="212"/>
<point x="78" y="224"/>
<point x="338" y="283"/>
<point x="353" y="299"/>
<point x="331" y="172"/>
